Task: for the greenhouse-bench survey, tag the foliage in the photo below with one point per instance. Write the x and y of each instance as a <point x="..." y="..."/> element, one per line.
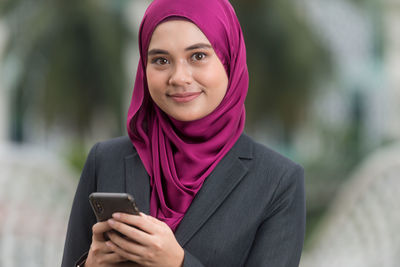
<point x="75" y="155"/>
<point x="68" y="58"/>
<point x="68" y="55"/>
<point x="285" y="58"/>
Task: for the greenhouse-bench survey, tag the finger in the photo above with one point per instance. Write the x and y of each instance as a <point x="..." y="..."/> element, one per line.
<point x="100" y="250"/>
<point x="129" y="231"/>
<point x="129" y="264"/>
<point x="113" y="257"/>
<point x="128" y="245"/>
<point x="122" y="253"/>
<point x="154" y="220"/>
<point x="160" y="227"/>
<point x="99" y="229"/>
<point x="139" y="221"/>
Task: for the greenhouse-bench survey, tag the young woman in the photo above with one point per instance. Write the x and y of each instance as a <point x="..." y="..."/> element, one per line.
<point x="209" y="195"/>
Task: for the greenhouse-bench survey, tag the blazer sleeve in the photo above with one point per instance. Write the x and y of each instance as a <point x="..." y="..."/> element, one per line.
<point x="279" y="239"/>
<point x="79" y="233"/>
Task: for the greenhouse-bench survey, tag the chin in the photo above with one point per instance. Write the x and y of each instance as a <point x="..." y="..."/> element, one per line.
<point x="187" y="117"/>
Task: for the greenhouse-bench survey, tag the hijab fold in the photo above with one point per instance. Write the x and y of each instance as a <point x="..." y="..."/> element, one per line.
<point x="178" y="155"/>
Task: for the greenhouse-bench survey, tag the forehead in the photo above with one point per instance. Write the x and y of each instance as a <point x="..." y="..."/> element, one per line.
<point x="177" y="34"/>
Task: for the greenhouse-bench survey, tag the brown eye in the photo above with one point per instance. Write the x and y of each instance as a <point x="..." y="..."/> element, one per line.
<point x="198" y="56"/>
<point x="160" y="61"/>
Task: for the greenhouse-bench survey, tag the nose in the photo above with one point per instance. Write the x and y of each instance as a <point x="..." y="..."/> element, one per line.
<point x="181" y="74"/>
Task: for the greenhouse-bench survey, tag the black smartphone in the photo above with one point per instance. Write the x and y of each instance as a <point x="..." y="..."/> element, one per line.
<point x="105" y="204"/>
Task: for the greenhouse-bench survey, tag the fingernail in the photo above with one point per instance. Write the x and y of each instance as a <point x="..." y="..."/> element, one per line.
<point x="108" y="243"/>
<point x="116" y="215"/>
<point x="111" y="221"/>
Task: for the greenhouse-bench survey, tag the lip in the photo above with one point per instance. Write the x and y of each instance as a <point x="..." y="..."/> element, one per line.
<point x="184" y="97"/>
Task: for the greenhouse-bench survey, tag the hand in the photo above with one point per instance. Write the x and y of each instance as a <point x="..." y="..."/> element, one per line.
<point x="99" y="253"/>
<point x="147" y="241"/>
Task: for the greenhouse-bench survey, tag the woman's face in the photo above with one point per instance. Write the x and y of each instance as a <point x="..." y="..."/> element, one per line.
<point x="185" y="77"/>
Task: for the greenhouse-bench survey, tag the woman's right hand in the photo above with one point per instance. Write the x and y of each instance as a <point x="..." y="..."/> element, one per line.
<point x="99" y="253"/>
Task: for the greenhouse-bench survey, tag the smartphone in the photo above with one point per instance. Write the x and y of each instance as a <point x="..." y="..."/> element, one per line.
<point x="105" y="204"/>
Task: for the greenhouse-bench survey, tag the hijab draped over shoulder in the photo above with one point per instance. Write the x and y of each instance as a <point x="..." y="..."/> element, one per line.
<point x="179" y="155"/>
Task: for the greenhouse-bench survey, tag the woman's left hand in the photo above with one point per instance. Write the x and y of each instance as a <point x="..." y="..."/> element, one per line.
<point x="148" y="241"/>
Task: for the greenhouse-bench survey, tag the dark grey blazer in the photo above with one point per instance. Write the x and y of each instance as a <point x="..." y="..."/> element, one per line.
<point x="249" y="212"/>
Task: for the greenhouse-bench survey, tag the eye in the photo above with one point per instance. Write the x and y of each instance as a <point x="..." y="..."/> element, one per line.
<point x="198" y="56"/>
<point x="160" y="61"/>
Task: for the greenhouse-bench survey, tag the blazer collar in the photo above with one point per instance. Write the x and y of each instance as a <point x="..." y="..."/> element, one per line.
<point x="221" y="182"/>
<point x="137" y="182"/>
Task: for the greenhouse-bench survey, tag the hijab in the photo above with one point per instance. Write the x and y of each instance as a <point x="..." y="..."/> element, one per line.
<point x="180" y="155"/>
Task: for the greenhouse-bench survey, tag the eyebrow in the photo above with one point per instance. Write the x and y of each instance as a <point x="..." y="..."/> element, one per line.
<point x="198" y="46"/>
<point x="157" y="51"/>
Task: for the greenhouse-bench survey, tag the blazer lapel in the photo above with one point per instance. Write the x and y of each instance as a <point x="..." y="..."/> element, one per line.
<point x="227" y="174"/>
<point x="137" y="182"/>
<point x="216" y="188"/>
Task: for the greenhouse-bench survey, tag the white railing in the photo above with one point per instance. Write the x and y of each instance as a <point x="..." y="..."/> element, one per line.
<point x="362" y="227"/>
<point x="36" y="192"/>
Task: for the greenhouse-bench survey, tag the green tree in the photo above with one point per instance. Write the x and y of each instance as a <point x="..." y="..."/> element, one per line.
<point x="68" y="61"/>
<point x="286" y="59"/>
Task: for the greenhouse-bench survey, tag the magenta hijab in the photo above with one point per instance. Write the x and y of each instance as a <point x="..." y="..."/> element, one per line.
<point x="177" y="155"/>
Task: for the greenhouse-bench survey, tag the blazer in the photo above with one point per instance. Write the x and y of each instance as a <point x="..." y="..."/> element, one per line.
<point x="250" y="211"/>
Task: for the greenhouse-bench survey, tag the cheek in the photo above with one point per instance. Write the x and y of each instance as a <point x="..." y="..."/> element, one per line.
<point x="214" y="76"/>
<point x="154" y="82"/>
<point x="150" y="77"/>
<point x="216" y="80"/>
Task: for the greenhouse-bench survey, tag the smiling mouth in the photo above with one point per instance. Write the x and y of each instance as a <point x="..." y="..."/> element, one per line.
<point x="184" y="97"/>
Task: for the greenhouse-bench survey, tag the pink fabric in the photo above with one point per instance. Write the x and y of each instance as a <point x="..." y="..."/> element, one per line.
<point x="178" y="155"/>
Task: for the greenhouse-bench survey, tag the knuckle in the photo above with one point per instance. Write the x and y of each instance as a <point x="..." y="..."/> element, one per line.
<point x="120" y="258"/>
<point x="101" y="261"/>
<point x="158" y="245"/>
<point x="95" y="248"/>
<point x="116" y="225"/>
<point x="146" y="262"/>
<point x="97" y="228"/>
<point x="165" y="229"/>
<point x="149" y="255"/>
<point x="141" y="223"/>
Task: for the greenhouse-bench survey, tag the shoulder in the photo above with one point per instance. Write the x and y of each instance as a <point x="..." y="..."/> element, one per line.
<point x="106" y="164"/>
<point x="112" y="150"/>
<point x="263" y="157"/>
<point x="120" y="145"/>
<point x="269" y="170"/>
<point x="280" y="179"/>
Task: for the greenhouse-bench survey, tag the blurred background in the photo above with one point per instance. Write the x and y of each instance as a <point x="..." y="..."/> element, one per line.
<point x="324" y="91"/>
